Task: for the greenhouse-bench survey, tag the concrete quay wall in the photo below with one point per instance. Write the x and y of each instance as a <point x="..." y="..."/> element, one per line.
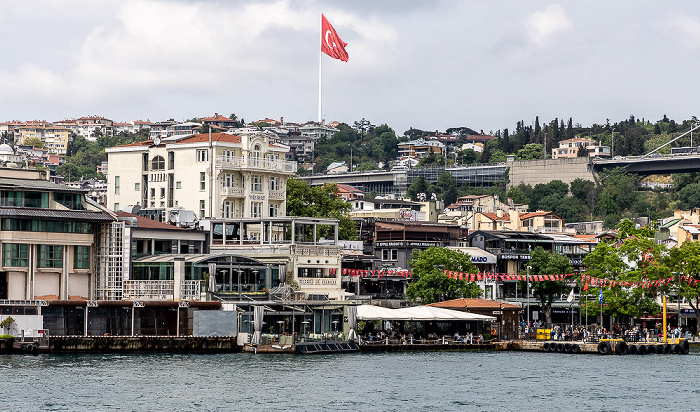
<point x="141" y="344"/>
<point x="532" y="172"/>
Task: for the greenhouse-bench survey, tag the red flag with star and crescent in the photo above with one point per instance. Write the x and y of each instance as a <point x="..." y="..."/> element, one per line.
<point x="331" y="43"/>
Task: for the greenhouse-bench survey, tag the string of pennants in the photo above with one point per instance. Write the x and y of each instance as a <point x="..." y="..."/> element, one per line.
<point x="364" y="273"/>
<point x="598" y="282"/>
<point x="472" y="277"/>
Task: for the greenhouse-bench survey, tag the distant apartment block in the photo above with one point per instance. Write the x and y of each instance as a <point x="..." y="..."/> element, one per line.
<point x="569" y="148"/>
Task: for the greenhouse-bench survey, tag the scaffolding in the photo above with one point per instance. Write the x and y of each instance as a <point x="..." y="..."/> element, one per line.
<point x="110" y="262"/>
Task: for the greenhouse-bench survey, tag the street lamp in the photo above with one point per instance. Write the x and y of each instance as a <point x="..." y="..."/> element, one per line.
<point x="527" y="296"/>
<point x="612" y="137"/>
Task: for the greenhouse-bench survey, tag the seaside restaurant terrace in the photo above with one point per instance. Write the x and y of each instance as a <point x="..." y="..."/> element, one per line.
<point x="427" y="324"/>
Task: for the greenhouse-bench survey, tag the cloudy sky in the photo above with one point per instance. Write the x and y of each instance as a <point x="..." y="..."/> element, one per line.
<point x="424" y="64"/>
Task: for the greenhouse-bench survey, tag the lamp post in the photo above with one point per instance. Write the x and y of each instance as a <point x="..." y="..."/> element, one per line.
<point x="527" y="296"/>
<point x="612" y="146"/>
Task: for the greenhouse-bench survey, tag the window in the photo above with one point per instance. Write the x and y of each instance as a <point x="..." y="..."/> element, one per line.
<point x="228" y="210"/>
<point x="116" y="185"/>
<point x="229" y="180"/>
<point x="390" y="254"/>
<point x="274" y="210"/>
<point x="137" y="186"/>
<point x="158" y="163"/>
<point x="256" y="209"/>
<point x="256" y="183"/>
<point x="81" y="257"/>
<point x="162" y="192"/>
<point x="203" y="155"/>
<point x="145" y="162"/>
<point x="274" y="183"/>
<point x="153" y="192"/>
<point x="202" y="208"/>
<point x="116" y="206"/>
<point x="50" y="256"/>
<point x="14" y="254"/>
<point x="178" y="185"/>
<point x="202" y="181"/>
<point x="255" y="160"/>
<point x="171" y="160"/>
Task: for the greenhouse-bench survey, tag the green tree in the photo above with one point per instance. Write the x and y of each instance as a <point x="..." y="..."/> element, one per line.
<point x="543" y="262"/>
<point x="429" y="282"/>
<point x="686" y="261"/>
<point x="689" y="196"/>
<point x="34" y="142"/>
<point x="418" y="187"/>
<point x="531" y="151"/>
<point x="448" y="187"/>
<point x="320" y="201"/>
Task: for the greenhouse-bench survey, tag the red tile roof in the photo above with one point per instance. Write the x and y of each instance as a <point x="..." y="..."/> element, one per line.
<point x="494" y="216"/>
<point x="215" y="137"/>
<point x="216" y="118"/>
<point x="146" y="223"/>
<point x="463" y="303"/>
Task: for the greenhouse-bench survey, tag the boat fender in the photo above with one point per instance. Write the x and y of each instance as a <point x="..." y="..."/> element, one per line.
<point x="545" y="347"/>
<point x="604" y="348"/>
<point x="659" y="349"/>
<point x="677" y="348"/>
<point x="621" y="348"/>
<point x="567" y="347"/>
<point x="667" y="348"/>
<point x="575" y="348"/>
<point x="685" y="346"/>
<point x="560" y="347"/>
<point x="632" y="349"/>
<point x="641" y="350"/>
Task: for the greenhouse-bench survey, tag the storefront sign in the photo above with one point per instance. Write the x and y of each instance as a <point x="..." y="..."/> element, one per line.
<point x="514" y="257"/>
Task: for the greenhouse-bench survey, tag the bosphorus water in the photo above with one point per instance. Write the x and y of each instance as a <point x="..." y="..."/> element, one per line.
<point x="478" y="381"/>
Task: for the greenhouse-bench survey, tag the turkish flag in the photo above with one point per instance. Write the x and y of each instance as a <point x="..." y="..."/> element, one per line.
<point x="585" y="287"/>
<point x="331" y="43"/>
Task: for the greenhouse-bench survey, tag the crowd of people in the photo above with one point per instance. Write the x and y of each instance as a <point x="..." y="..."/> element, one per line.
<point x="598" y="332"/>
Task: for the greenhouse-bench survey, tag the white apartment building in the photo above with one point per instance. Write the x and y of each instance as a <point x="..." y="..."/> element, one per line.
<point x="218" y="176"/>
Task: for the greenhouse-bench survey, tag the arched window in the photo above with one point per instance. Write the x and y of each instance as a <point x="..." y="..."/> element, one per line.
<point x="158" y="163"/>
<point x="256" y="155"/>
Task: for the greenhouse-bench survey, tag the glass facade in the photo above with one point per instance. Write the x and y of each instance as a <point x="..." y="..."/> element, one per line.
<point x="35" y="225"/>
<point x="14" y="254"/>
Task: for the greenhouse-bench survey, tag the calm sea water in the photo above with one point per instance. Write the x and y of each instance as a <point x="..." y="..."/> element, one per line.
<point x="481" y="381"/>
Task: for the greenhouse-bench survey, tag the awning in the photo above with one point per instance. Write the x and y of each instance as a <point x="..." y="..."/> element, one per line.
<point x="371" y="312"/>
<point x="433" y="313"/>
<point x="417" y="313"/>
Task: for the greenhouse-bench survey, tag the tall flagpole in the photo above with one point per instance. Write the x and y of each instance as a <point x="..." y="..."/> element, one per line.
<point x="320" y="59"/>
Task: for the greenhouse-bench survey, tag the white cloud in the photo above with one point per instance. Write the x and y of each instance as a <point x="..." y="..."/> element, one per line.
<point x="685" y="30"/>
<point x="542" y="26"/>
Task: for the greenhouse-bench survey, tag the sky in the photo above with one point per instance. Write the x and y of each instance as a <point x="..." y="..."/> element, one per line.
<point x="430" y="65"/>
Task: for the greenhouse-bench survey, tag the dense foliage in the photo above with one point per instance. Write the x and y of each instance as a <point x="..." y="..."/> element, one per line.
<point x="320" y="201"/>
<point x="429" y="281"/>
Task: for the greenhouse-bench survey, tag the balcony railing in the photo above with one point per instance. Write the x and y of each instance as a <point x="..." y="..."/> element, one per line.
<point x="238" y="162"/>
<point x="319" y="281"/>
<point x="233" y="191"/>
<point x="160" y="289"/>
<point x="277" y="194"/>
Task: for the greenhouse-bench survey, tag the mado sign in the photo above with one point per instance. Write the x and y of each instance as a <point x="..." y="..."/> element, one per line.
<point x="484" y="259"/>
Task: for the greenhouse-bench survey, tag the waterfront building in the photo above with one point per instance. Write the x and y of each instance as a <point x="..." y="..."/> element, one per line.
<point x="270" y="253"/>
<point x="218" y="175"/>
<point x="52" y="238"/>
